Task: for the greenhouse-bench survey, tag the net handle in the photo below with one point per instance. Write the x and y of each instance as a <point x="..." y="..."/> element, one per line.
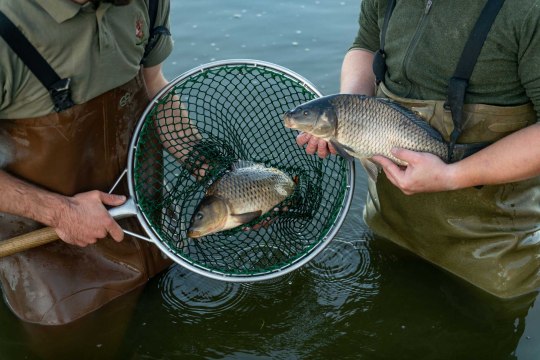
<point x="48" y="234"/>
<point x="27" y="241"/>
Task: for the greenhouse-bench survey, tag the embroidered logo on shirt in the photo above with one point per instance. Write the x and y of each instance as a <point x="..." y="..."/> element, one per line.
<point x="139" y="30"/>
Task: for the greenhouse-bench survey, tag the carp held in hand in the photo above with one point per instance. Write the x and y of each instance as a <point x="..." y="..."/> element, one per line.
<point x="241" y="195"/>
<point x="362" y="126"/>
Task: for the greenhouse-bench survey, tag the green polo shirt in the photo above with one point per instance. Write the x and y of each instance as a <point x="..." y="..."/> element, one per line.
<point x="98" y="48"/>
<point x="423" y="47"/>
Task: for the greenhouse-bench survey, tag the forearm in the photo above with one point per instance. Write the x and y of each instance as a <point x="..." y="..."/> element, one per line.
<point x="177" y="133"/>
<point x="357" y="73"/>
<point x="80" y="220"/>
<point x="26" y="200"/>
<point x="513" y="158"/>
<point x="154" y="80"/>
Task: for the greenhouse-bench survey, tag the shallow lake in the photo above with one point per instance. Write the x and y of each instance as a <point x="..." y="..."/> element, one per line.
<point x="361" y="298"/>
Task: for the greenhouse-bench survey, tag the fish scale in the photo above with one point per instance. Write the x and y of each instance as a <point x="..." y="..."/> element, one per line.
<point x="249" y="188"/>
<point x="241" y="195"/>
<point x="373" y="126"/>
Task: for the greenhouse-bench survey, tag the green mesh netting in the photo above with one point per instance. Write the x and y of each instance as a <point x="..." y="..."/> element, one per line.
<point x="201" y="125"/>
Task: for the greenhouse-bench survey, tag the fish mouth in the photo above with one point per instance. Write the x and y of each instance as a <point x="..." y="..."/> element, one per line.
<point x="288" y="121"/>
<point x="194" y="234"/>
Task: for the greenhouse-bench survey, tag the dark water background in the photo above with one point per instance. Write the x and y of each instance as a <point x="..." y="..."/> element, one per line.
<point x="360" y="299"/>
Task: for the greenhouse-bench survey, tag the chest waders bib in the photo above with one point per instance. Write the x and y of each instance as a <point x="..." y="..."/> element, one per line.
<point x="82" y="148"/>
<point x="488" y="236"/>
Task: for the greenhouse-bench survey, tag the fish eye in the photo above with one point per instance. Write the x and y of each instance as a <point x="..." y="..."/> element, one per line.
<point x="306" y="113"/>
<point x="199" y="216"/>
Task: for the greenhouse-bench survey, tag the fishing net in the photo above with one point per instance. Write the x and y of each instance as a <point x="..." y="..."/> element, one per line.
<point x="208" y="119"/>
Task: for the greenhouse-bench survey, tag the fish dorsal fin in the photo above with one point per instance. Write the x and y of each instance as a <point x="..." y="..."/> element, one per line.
<point x="413" y="117"/>
<point x="240" y="164"/>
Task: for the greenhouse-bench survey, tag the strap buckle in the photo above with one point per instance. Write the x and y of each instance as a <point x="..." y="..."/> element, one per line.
<point x="61" y="94"/>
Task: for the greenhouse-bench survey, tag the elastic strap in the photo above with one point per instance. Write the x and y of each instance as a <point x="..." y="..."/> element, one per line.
<point x="58" y="88"/>
<point x="457" y="85"/>
<point x="379" y="63"/>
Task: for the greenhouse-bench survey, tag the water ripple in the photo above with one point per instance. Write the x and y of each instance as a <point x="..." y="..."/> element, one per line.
<point x="188" y="295"/>
<point x="344" y="273"/>
<point x="269" y="288"/>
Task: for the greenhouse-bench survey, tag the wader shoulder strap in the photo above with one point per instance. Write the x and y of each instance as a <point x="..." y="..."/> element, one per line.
<point x="379" y="63"/>
<point x="58" y="88"/>
<point x="457" y="86"/>
<point x="155" y="32"/>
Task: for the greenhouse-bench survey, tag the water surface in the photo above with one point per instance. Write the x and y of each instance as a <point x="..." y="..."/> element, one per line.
<point x="361" y="298"/>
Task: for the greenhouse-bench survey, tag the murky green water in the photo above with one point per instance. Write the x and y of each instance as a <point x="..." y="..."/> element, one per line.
<point x="360" y="299"/>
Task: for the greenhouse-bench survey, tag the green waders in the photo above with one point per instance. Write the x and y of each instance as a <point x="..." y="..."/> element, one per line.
<point x="489" y="236"/>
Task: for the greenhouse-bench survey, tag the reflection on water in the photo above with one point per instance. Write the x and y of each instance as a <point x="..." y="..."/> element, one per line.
<point x="192" y="297"/>
<point x="361" y="298"/>
<point x="343" y="272"/>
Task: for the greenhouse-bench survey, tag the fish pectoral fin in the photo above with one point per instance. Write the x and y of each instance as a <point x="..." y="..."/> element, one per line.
<point x="246" y="217"/>
<point x="342" y="150"/>
<point x="372" y="169"/>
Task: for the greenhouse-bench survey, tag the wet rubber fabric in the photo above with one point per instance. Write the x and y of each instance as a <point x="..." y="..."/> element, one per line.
<point x="489" y="236"/>
<point x="80" y="149"/>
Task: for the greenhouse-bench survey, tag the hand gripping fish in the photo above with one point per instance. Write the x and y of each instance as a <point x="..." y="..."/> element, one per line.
<point x="362" y="126"/>
<point x="241" y="195"/>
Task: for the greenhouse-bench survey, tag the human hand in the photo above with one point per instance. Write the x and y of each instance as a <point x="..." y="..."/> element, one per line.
<point x="315" y="144"/>
<point x="85" y="219"/>
<point x="424" y="172"/>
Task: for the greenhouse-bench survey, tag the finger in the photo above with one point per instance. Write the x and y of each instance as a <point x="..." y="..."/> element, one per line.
<point x="87" y="242"/>
<point x="312" y="145"/>
<point x="116" y="232"/>
<point x="392" y="171"/>
<point x="383" y="161"/>
<point x="303" y="139"/>
<point x="80" y="242"/>
<point x="112" y="199"/>
<point x="332" y="149"/>
<point x="406" y="155"/>
<point x="322" y="149"/>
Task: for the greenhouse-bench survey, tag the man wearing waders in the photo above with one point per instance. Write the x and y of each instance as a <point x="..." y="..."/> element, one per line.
<point x="76" y="77"/>
<point x="471" y="70"/>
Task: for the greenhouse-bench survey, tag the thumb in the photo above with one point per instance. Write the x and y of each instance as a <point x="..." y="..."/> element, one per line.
<point x="112" y="199"/>
<point x="403" y="154"/>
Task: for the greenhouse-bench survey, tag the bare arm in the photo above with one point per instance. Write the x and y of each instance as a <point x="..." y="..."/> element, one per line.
<point x="356" y="78"/>
<point x="154" y="80"/>
<point x="357" y="73"/>
<point x="513" y="158"/>
<point x="78" y="220"/>
<point x="81" y="219"/>
<point x="177" y="133"/>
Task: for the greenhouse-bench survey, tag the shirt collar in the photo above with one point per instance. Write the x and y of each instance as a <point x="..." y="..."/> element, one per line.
<point x="61" y="10"/>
